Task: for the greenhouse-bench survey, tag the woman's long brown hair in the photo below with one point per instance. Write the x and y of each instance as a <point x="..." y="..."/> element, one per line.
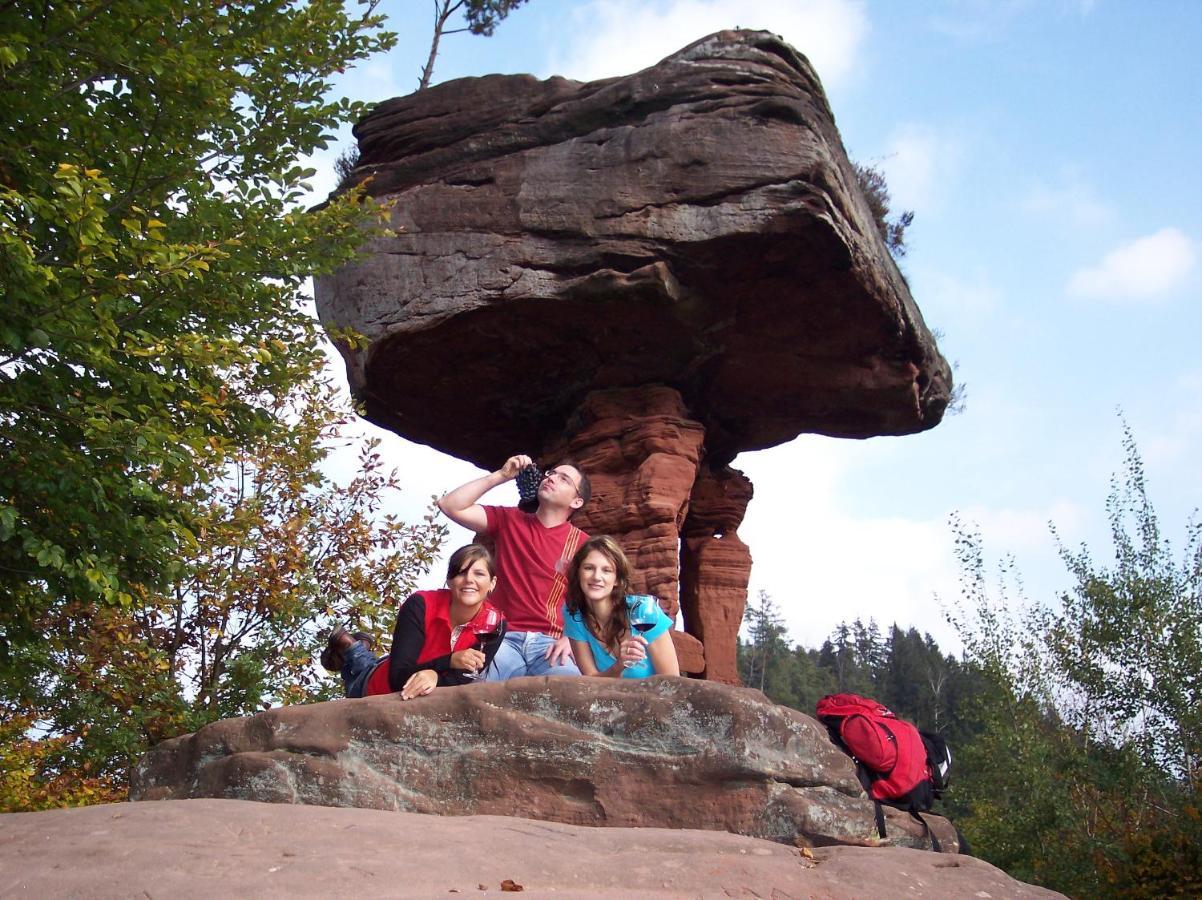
<point x="618" y="626"/>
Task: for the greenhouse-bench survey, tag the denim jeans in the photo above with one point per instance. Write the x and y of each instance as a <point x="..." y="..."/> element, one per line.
<point x="525" y="653"/>
<point x="357" y="665"/>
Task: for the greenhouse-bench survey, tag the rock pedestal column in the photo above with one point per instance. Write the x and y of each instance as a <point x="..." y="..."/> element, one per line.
<point x="716" y="567"/>
<point x="641" y="452"/>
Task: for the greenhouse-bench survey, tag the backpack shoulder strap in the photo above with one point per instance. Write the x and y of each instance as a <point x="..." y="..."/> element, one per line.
<point x="927" y="829"/>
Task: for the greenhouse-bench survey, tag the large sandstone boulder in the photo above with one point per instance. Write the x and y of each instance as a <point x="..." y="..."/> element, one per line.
<point x="662" y="752"/>
<point x="696" y="224"/>
<point x="233" y="848"/>
<point x="560" y="249"/>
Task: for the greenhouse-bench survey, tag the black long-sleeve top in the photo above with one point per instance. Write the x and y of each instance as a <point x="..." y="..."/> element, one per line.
<point x="422" y="639"/>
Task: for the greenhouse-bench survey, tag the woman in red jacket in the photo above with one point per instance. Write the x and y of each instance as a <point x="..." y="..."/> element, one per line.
<point x="435" y="639"/>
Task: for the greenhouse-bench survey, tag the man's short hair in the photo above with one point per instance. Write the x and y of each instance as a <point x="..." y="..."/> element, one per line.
<point x="585" y="488"/>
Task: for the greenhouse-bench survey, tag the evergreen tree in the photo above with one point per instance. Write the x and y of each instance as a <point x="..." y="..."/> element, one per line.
<point x="763" y="654"/>
<point x="870" y="651"/>
<point x="809" y="682"/>
<point x="904" y="673"/>
<point x="850" y="655"/>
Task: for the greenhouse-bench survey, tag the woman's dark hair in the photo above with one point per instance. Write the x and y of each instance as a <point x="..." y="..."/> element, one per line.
<point x="468" y="554"/>
<point x="618" y="626"/>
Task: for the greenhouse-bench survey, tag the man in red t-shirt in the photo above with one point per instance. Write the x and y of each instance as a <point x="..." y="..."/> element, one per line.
<point x="532" y="554"/>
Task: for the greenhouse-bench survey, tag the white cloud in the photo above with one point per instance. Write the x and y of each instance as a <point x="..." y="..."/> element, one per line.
<point x="617" y="37"/>
<point x="1072" y="201"/>
<point x="991" y="20"/>
<point x="955" y="295"/>
<point x="1146" y="268"/>
<point x="1025" y="532"/>
<point x="1175" y="440"/>
<point x="977" y="19"/>
<point x="823" y="565"/>
<point x="377" y="80"/>
<point x="919" y="163"/>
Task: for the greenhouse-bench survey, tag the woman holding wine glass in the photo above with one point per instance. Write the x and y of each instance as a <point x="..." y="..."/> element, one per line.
<point x="442" y="637"/>
<point x="614" y="634"/>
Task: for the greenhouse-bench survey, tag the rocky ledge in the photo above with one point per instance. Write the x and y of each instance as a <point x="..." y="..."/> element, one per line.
<point x="231" y="848"/>
<point x="662" y="752"/>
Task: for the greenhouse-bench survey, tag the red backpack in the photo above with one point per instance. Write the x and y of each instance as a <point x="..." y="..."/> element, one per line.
<point x="897" y="764"/>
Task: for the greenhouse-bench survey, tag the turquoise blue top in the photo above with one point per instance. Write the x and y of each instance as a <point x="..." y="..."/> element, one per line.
<point x="574" y="628"/>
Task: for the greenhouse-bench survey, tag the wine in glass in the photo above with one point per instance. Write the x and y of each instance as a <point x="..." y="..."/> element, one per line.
<point x="644" y="614"/>
<point x="486" y="630"/>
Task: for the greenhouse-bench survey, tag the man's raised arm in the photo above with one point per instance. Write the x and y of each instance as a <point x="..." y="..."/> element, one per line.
<point x="461" y="505"/>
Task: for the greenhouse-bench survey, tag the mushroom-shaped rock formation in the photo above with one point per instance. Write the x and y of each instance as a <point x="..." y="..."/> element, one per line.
<point x="649" y="273"/>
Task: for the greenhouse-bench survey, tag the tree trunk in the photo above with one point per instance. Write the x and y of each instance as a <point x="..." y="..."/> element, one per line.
<point x="441" y="14"/>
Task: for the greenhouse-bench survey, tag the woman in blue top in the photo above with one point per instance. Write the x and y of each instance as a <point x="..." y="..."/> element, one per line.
<point x="596" y="618"/>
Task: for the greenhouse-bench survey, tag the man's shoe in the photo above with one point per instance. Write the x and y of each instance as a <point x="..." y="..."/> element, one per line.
<point x="331" y="656"/>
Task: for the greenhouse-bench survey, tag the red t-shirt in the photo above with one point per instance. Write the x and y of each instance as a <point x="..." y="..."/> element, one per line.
<point x="531" y="562"/>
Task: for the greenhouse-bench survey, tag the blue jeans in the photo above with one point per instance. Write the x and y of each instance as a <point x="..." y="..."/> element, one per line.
<point x="525" y="653"/>
<point x="357" y="665"/>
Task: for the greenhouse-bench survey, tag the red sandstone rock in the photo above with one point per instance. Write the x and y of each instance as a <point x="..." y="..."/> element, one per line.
<point x="716" y="567"/>
<point x="690" y="654"/>
<point x="233" y="848"/>
<point x="695" y="227"/>
<point x="660" y="752"/>
<point x="696" y="224"/>
<point x="641" y="452"/>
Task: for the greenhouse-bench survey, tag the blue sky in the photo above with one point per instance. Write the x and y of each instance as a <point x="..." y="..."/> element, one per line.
<point x="1052" y="153"/>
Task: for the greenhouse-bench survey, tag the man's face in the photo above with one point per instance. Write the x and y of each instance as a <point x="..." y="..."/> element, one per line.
<point x="561" y="486"/>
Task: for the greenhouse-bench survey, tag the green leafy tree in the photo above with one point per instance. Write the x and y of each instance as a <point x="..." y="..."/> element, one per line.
<point x="1082" y="771"/>
<point x="1127" y="640"/>
<point x="1012" y="794"/>
<point x="152" y="258"/>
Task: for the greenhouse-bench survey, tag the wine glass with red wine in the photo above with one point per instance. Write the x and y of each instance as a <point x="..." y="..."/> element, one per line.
<point x="486" y="630"/>
<point x="644" y="614"/>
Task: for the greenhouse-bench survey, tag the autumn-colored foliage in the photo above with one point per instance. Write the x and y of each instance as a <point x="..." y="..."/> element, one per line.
<point x="283" y="551"/>
<point x="31" y="779"/>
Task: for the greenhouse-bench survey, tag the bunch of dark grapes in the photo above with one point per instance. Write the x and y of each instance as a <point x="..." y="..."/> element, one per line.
<point x="528" y="481"/>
